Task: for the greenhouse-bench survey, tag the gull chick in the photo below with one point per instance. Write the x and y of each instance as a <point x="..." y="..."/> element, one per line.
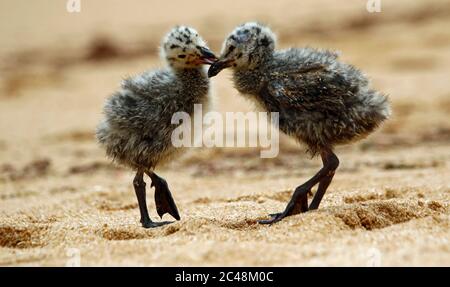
<point x="136" y="131"/>
<point x="321" y="101"/>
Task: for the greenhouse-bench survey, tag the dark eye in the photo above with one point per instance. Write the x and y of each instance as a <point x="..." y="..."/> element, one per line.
<point x="230" y="49"/>
<point x="265" y="42"/>
<point x="181" y="56"/>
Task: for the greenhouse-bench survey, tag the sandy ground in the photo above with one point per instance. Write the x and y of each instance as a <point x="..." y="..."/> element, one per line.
<point x="63" y="203"/>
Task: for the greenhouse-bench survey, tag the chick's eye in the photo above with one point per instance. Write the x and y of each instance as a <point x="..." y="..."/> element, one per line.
<point x="229" y="50"/>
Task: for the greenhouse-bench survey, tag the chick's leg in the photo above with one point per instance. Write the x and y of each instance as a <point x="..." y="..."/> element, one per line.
<point x="299" y="200"/>
<point x="139" y="188"/>
<point x="163" y="198"/>
<point x="333" y="162"/>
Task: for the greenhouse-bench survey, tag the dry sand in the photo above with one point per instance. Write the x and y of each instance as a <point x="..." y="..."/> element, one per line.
<point x="60" y="197"/>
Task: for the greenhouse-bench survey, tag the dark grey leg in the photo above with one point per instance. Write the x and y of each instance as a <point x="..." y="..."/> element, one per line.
<point x="139" y="188"/>
<point x="299" y="200"/>
<point x="333" y="162"/>
<point x="163" y="198"/>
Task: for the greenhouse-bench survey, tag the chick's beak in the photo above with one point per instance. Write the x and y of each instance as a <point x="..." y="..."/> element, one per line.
<point x="207" y="57"/>
<point x="219" y="66"/>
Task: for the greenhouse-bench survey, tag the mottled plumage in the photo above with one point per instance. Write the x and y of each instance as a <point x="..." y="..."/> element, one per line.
<point x="137" y="128"/>
<point x="136" y="131"/>
<point x="321" y="101"/>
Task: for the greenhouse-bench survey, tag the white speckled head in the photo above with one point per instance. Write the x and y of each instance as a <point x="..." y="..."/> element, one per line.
<point x="245" y="47"/>
<point x="183" y="47"/>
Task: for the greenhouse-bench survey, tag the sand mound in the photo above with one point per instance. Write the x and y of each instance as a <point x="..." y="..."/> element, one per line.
<point x="381" y="214"/>
<point x="22" y="237"/>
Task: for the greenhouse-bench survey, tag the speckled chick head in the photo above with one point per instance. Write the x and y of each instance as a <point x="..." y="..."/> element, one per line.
<point x="245" y="47"/>
<point x="183" y="48"/>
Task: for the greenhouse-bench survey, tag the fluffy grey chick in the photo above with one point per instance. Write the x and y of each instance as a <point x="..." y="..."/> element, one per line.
<point x="137" y="129"/>
<point x="321" y="102"/>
